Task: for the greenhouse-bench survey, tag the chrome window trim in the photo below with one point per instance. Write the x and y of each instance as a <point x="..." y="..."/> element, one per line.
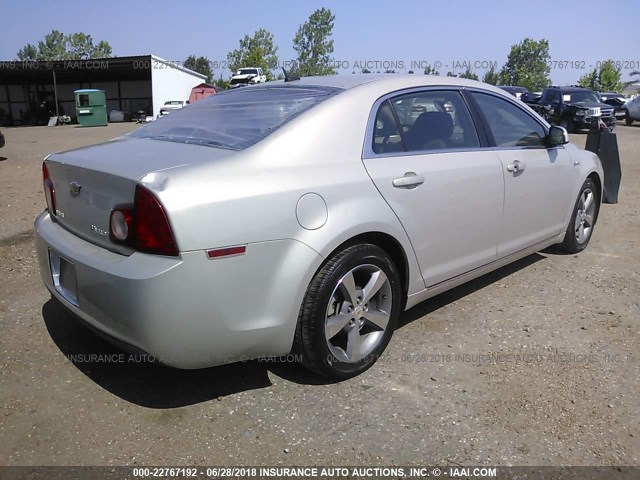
<point x="367" y="150"/>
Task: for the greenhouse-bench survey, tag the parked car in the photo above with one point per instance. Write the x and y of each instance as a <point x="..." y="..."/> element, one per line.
<point x="247" y="76"/>
<point x="171" y="106"/>
<point x="616" y="100"/>
<point x="574" y="108"/>
<point x="305" y="216"/>
<point x="1" y="140"/>
<point x="516" y="91"/>
<point x="631" y="110"/>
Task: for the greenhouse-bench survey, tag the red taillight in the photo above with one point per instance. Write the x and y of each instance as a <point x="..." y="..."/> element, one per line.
<point x="49" y="190"/>
<point x="152" y="229"/>
<point x="144" y="227"/>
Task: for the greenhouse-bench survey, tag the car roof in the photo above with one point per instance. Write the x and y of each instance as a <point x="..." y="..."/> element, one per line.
<point x="571" y="89"/>
<point x="390" y="81"/>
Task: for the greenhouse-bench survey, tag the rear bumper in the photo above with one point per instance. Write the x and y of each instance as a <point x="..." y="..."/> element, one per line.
<point x="187" y="311"/>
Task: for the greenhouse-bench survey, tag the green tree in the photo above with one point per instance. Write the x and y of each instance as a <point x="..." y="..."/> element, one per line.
<point x="365" y="70"/>
<point x="609" y="77"/>
<point x="220" y="82"/>
<point x="605" y="79"/>
<point x="58" y="46"/>
<point x="589" y="80"/>
<point x="314" y="45"/>
<point x="201" y="65"/>
<point x="257" y="51"/>
<point x="451" y="74"/>
<point x="429" y="70"/>
<point x="468" y="74"/>
<point x="527" y="65"/>
<point x="491" y="76"/>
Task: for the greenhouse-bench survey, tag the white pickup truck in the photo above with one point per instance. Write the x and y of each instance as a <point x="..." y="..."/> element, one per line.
<point x="247" y="76"/>
<point x="171" y="106"/>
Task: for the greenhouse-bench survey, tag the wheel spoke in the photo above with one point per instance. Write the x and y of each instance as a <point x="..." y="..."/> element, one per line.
<point x="581" y="233"/>
<point x="335" y="324"/>
<point x="348" y="285"/>
<point x="577" y="223"/>
<point x="354" y="341"/>
<point x="377" y="280"/>
<point x="588" y="200"/>
<point x="588" y="220"/>
<point x="379" y="318"/>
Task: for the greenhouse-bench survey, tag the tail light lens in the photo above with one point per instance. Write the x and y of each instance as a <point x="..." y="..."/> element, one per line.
<point x="153" y="232"/>
<point x="49" y="190"/>
<point x="144" y="227"/>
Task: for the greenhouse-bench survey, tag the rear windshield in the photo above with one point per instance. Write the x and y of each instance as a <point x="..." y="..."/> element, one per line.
<point x="235" y="119"/>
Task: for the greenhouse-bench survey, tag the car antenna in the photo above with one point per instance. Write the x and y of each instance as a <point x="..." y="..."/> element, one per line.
<point x="287" y="78"/>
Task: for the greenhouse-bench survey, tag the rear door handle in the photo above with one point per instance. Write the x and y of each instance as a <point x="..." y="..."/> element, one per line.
<point x="410" y="180"/>
<point x="516" y="166"/>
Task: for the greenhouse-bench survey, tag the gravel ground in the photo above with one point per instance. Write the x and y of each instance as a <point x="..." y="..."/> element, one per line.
<point x="534" y="364"/>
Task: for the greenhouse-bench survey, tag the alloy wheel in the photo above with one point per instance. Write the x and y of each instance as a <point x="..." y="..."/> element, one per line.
<point x="358" y="313"/>
<point x="585" y="216"/>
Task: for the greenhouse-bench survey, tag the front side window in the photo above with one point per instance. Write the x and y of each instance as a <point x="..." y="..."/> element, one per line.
<point x="510" y="126"/>
<point x="428" y="120"/>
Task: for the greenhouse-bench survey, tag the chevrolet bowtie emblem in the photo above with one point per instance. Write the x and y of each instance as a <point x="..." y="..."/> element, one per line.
<point x="74" y="189"/>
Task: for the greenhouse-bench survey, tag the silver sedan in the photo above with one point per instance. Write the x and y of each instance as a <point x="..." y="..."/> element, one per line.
<point x="305" y="216"/>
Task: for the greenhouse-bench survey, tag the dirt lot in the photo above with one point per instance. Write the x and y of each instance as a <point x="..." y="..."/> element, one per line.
<point x="535" y="364"/>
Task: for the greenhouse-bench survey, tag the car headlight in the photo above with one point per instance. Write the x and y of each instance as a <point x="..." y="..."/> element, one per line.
<point x="580" y="113"/>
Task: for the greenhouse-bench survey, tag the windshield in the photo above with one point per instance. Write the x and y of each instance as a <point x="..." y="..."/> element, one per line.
<point x="247" y="71"/>
<point x="581" y="97"/>
<point x="235" y="119"/>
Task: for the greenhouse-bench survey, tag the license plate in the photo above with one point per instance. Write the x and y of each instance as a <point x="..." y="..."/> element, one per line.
<point x="64" y="278"/>
<point x="595" y="112"/>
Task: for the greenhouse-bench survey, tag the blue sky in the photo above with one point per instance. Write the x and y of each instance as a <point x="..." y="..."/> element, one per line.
<point x="390" y="33"/>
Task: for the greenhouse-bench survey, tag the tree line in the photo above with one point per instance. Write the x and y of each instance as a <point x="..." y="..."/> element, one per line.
<point x="527" y="64"/>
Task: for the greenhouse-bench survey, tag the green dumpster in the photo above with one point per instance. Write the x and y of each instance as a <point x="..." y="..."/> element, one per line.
<point x="91" y="107"/>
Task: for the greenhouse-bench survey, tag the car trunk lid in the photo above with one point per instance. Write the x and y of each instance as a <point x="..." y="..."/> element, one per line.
<point x="89" y="182"/>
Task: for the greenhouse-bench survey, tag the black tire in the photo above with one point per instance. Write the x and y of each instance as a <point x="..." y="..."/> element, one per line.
<point x="572" y="242"/>
<point x="568" y="124"/>
<point x="326" y="298"/>
<point x="627" y="118"/>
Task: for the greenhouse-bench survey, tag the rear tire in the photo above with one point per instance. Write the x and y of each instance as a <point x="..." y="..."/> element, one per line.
<point x="349" y="312"/>
<point x="583" y="219"/>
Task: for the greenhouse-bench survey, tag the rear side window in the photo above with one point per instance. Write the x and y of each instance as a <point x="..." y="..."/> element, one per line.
<point x="236" y="119"/>
<point x="428" y="120"/>
<point x="510" y="126"/>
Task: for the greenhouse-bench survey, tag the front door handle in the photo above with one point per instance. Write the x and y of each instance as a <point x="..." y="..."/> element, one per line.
<point x="410" y="180"/>
<point x="516" y="166"/>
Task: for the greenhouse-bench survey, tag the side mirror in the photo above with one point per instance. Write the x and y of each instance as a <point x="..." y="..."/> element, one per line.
<point x="557" y="136"/>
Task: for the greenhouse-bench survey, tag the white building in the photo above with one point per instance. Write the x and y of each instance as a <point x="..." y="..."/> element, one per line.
<point x="28" y="90"/>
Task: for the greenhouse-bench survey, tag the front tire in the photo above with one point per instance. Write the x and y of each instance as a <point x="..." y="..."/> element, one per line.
<point x="627" y="118"/>
<point x="583" y="219"/>
<point x="349" y="312"/>
<point x="568" y="124"/>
